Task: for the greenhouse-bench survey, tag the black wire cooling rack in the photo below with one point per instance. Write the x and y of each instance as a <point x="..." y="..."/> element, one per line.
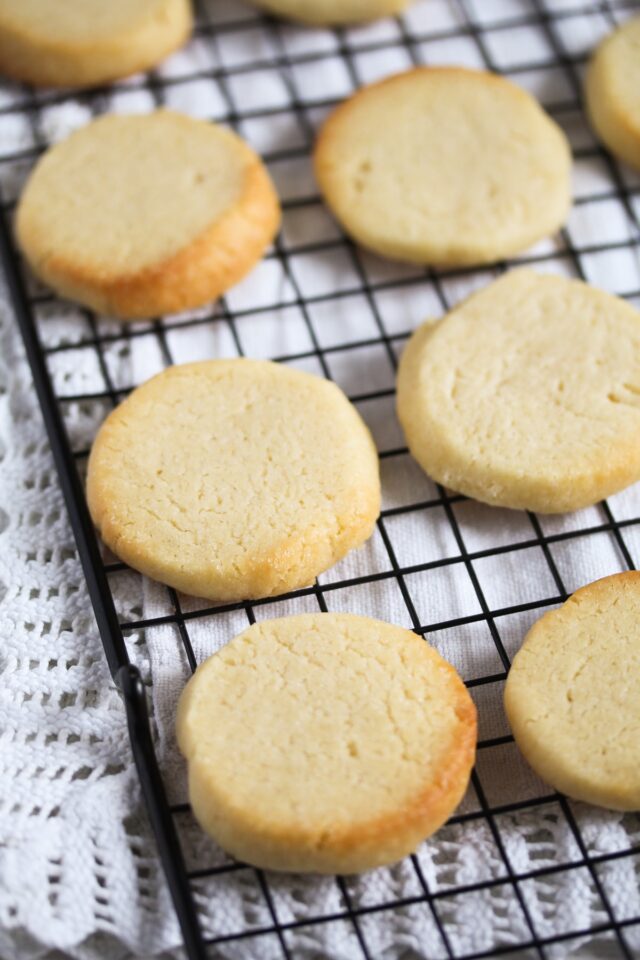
<point x="531" y="41"/>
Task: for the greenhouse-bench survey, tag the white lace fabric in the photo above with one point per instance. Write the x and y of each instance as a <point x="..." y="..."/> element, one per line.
<point x="79" y="871"/>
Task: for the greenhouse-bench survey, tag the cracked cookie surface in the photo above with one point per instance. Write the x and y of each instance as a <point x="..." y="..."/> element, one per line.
<point x="572" y="694"/>
<point x="527" y="395"/>
<point x="325" y="742"/>
<point x="234" y="479"/>
<point x="444" y="166"/>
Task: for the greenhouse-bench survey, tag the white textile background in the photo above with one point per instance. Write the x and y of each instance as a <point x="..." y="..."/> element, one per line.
<point x="78" y="868"/>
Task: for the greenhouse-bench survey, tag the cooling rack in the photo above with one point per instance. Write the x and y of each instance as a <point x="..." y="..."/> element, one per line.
<point x="469" y="579"/>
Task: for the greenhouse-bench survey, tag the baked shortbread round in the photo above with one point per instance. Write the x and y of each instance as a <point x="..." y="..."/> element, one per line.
<point x="234" y="479"/>
<point x="82" y="43"/>
<point x="325" y="743"/>
<point x="327" y="12"/>
<point x="527" y="395"/>
<point x="443" y="165"/>
<point x="572" y="694"/>
<point x="613" y="92"/>
<point x="136" y="216"/>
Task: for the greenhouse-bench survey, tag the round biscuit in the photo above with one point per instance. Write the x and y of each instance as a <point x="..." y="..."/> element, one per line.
<point x="325" y="743"/>
<point x="527" y="395"/>
<point x="572" y="694"/>
<point x="444" y="166"/>
<point x="234" y="479"/>
<point x="613" y="92"/>
<point x="137" y="216"/>
<point x="328" y="12"/>
<point x="88" y="42"/>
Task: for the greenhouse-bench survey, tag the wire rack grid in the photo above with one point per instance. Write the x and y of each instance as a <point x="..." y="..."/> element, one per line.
<point x="322" y="304"/>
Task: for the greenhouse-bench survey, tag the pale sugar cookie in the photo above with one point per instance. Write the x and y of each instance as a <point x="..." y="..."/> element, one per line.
<point x="325" y="743"/>
<point x="234" y="479"/>
<point x="443" y="165"/>
<point x="527" y="395"/>
<point x="82" y="43"/>
<point x="327" y="12"/>
<point x="613" y="92"/>
<point x="142" y="215"/>
<point x="572" y="694"/>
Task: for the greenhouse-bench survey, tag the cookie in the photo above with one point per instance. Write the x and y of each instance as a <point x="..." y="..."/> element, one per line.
<point x="327" y="12"/>
<point x="88" y="42"/>
<point x="527" y="395"/>
<point x="444" y="166"/>
<point x="234" y="479"/>
<point x="325" y="743"/>
<point x="572" y="694"/>
<point x="136" y="216"/>
<point x="613" y="92"/>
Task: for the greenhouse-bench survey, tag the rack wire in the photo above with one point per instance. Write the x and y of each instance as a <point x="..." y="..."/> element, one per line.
<point x="274" y="83"/>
